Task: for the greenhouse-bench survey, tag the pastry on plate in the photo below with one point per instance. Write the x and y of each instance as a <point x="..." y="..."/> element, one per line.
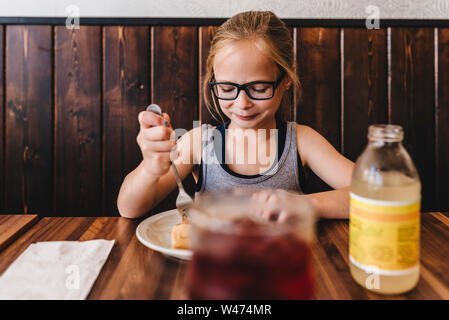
<point x="180" y="234"/>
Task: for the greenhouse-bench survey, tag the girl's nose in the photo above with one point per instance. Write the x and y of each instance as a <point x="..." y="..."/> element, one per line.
<point x="243" y="101"/>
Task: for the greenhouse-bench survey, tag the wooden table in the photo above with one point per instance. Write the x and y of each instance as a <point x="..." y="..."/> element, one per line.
<point x="133" y="271"/>
<point x="12" y="226"/>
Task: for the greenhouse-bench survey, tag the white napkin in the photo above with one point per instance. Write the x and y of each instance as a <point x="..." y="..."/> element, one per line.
<point x="55" y="270"/>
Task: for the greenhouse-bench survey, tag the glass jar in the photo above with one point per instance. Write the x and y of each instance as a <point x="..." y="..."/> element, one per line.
<point x="237" y="254"/>
<point x="384" y="221"/>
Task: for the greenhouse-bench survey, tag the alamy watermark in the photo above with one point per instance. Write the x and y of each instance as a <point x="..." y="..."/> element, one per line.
<point x="73" y="18"/>
<point x="72" y="281"/>
<point x="373" y="20"/>
<point x="260" y="145"/>
<point x="373" y="280"/>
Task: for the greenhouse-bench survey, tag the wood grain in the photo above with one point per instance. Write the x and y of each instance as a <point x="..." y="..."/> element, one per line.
<point x="413" y="101"/>
<point x="12" y="226"/>
<point x="288" y="113"/>
<point x="132" y="271"/>
<point x="28" y="151"/>
<point x="336" y="267"/>
<point x="174" y="85"/>
<point x="443" y="120"/>
<point x="78" y="170"/>
<point x="71" y="160"/>
<point x="332" y="236"/>
<point x="175" y="73"/>
<point x="318" y="57"/>
<point x="365" y="86"/>
<point x="47" y="229"/>
<point x="126" y="81"/>
<point x="206" y="35"/>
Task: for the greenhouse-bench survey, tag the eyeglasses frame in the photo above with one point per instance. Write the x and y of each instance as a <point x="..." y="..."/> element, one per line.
<point x="245" y="86"/>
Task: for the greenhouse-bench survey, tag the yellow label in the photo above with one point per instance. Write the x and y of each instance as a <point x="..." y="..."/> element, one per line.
<point x="384" y="234"/>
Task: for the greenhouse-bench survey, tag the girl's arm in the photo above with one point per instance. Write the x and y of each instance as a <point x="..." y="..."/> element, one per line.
<point x="140" y="192"/>
<point x="331" y="204"/>
<point x="332" y="167"/>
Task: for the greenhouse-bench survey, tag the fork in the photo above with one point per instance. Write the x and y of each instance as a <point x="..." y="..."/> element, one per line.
<point x="183" y="201"/>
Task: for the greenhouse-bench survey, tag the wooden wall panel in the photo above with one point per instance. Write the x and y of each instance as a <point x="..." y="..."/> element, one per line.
<point x="289" y="113"/>
<point x="78" y="171"/>
<point x="365" y="86"/>
<point x="413" y="101"/>
<point x="174" y="83"/>
<point x="28" y="165"/>
<point x="318" y="57"/>
<point x="175" y="73"/>
<point x="206" y="34"/>
<point x="71" y="160"/>
<point x="126" y="81"/>
<point x="443" y="120"/>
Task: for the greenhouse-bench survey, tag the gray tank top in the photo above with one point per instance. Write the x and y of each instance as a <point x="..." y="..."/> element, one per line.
<point x="283" y="174"/>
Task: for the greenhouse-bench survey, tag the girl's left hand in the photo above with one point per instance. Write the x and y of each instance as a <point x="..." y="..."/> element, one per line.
<point x="275" y="205"/>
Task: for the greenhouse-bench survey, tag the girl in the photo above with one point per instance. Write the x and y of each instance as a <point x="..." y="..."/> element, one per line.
<point x="249" y="70"/>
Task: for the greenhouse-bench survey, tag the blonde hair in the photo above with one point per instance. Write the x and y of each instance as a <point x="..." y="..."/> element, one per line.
<point x="276" y="42"/>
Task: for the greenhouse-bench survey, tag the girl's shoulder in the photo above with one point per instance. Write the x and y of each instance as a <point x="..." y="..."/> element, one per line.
<point x="304" y="133"/>
<point x="309" y="140"/>
<point x="311" y="144"/>
<point x="302" y="130"/>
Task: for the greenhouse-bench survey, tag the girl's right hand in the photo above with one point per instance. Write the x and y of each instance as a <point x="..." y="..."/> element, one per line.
<point x="155" y="143"/>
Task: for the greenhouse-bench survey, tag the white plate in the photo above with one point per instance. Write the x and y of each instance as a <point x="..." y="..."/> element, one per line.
<point x="154" y="232"/>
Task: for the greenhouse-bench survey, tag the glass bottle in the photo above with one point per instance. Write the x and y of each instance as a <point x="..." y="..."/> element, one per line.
<point x="384" y="219"/>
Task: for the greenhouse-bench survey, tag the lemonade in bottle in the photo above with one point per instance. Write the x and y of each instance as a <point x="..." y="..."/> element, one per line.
<point x="384" y="218"/>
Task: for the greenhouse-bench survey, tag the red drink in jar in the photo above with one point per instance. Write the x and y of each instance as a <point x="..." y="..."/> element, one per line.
<point x="244" y="258"/>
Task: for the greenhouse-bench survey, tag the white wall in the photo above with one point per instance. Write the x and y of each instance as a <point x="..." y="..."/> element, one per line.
<point x="389" y="9"/>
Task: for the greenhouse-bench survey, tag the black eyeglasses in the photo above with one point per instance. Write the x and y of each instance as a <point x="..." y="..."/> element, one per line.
<point x="256" y="90"/>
